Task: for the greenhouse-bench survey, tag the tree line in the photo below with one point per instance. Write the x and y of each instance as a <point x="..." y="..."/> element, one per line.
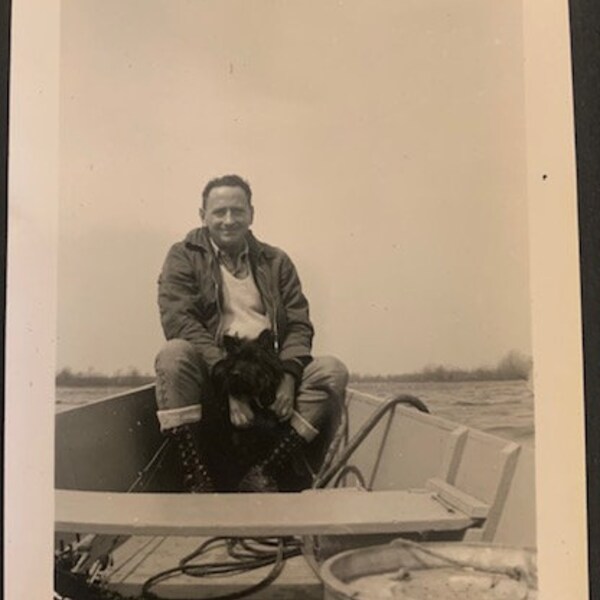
<point x="90" y="378"/>
<point x="513" y="365"/>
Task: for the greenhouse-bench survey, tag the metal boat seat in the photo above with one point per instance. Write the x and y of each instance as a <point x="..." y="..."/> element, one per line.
<point x="329" y="511"/>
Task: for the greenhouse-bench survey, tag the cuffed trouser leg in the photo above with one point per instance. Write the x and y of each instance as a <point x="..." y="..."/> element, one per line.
<point x="323" y="383"/>
<point x="182" y="381"/>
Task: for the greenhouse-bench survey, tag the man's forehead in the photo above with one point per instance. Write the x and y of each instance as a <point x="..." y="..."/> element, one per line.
<point x="227" y="193"/>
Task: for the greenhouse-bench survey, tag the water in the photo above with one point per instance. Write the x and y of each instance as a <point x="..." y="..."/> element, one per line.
<point x="502" y="408"/>
<point x="74" y="396"/>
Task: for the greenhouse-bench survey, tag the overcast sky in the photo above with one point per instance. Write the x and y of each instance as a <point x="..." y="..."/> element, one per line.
<point x="384" y="141"/>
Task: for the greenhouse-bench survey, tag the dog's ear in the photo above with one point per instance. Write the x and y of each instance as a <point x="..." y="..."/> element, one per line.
<point x="265" y="339"/>
<point x="231" y="344"/>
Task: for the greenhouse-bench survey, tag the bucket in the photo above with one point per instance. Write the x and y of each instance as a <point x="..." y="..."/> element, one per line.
<point x="406" y="570"/>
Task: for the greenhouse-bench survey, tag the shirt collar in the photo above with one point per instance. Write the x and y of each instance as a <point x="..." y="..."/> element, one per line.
<point x="219" y="253"/>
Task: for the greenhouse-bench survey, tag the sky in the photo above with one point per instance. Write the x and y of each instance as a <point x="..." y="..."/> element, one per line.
<point x="385" y="147"/>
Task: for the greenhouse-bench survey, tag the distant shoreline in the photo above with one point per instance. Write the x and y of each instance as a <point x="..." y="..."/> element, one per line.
<point x="514" y="366"/>
<point x="108" y="381"/>
<point x="100" y="381"/>
<point x="446" y="377"/>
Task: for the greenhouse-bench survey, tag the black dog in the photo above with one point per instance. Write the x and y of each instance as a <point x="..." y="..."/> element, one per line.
<point x="251" y="371"/>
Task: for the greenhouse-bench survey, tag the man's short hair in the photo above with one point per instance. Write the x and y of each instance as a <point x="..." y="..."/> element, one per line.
<point x="228" y="181"/>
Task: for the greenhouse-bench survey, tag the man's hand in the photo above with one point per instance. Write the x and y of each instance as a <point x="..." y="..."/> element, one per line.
<point x="285" y="398"/>
<point x="240" y="412"/>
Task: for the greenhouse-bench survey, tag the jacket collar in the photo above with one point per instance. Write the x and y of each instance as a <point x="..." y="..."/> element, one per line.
<point x="199" y="238"/>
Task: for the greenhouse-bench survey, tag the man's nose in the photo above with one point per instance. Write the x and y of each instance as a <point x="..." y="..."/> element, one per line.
<point x="228" y="218"/>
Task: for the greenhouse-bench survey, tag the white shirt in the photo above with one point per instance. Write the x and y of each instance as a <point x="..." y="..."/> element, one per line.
<point x="243" y="311"/>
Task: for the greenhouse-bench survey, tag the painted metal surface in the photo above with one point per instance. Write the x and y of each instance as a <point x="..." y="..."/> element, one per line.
<point x="102" y="448"/>
<point x="418" y="447"/>
<point x="334" y="512"/>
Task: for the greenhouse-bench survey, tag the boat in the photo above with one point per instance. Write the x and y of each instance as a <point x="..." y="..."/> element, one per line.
<point x="391" y="470"/>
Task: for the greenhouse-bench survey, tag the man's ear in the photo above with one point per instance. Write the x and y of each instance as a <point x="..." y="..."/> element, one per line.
<point x="201" y="213"/>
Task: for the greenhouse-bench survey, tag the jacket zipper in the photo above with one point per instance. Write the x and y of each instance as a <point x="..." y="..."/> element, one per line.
<point x="269" y="300"/>
<point x="275" y="327"/>
<point x="219" y="335"/>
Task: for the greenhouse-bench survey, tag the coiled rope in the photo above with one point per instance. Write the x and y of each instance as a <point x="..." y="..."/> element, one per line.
<point x="249" y="554"/>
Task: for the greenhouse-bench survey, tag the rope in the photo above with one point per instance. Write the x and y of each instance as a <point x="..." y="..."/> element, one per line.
<point x="137" y="558"/>
<point x="273" y="552"/>
<point x="515" y="572"/>
<point x="354" y="470"/>
<point x="309" y="547"/>
<point x="364" y="431"/>
<point x="341" y="435"/>
<point x="153" y="464"/>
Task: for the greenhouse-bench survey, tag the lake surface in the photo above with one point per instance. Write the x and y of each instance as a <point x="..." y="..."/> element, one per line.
<point x="502" y="408"/>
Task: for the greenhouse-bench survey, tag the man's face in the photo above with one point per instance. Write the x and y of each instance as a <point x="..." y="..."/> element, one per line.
<point x="228" y="216"/>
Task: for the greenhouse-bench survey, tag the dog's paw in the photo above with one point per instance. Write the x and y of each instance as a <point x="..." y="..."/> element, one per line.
<point x="240" y="413"/>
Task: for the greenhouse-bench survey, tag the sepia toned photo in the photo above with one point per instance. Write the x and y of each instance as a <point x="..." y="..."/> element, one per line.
<point x="296" y="327"/>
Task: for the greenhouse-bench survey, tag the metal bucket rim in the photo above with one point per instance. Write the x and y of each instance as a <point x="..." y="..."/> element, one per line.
<point x="336" y="585"/>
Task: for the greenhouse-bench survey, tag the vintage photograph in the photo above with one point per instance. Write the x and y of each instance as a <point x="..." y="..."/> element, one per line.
<point x="294" y="348"/>
<point x="293" y="336"/>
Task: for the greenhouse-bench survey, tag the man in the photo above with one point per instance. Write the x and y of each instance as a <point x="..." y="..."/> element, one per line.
<point x="221" y="281"/>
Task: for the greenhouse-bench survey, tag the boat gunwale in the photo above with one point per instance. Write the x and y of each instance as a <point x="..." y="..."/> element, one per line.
<point x="65" y="408"/>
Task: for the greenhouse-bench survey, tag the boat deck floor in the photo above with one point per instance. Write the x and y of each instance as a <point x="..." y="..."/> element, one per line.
<point x="141" y="557"/>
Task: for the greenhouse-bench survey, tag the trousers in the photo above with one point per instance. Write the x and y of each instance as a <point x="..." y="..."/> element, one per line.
<point x="184" y="393"/>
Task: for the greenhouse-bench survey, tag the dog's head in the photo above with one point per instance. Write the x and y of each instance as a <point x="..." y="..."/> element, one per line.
<point x="252" y="369"/>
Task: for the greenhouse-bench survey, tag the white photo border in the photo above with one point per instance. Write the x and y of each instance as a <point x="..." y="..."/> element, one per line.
<point x="31" y="300"/>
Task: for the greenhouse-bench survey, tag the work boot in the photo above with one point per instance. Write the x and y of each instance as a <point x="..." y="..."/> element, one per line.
<point x="196" y="478"/>
<point x="262" y="477"/>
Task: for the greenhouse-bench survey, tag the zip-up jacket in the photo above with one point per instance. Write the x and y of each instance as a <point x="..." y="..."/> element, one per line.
<point x="190" y="299"/>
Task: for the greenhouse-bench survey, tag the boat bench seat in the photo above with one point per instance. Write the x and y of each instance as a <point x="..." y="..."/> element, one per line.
<point x="328" y="511"/>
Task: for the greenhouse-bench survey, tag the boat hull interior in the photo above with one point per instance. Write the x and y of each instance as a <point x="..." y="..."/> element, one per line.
<point x="427" y="478"/>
